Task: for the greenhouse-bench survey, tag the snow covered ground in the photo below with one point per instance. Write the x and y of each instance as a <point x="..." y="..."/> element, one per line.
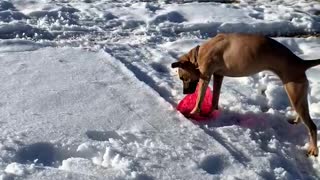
<point x="87" y="92"/>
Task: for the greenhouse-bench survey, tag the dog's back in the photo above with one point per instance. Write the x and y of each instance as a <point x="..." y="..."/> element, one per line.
<point x="246" y="54"/>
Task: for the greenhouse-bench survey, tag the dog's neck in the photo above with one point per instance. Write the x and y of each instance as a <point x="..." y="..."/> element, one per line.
<point x="194" y="61"/>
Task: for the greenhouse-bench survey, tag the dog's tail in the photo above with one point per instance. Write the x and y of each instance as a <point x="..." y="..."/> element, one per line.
<point x="310" y="63"/>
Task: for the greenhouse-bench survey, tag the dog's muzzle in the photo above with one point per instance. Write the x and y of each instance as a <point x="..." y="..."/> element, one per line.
<point x="190" y="87"/>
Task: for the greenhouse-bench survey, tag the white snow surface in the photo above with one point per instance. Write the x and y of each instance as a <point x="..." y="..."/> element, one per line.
<point x="87" y="92"/>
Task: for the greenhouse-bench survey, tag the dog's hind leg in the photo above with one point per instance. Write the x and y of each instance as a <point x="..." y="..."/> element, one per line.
<point x="297" y="91"/>
<point x="297" y="120"/>
<point x="217" y="83"/>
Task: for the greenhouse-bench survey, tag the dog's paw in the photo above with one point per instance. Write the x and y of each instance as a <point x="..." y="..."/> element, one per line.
<point x="312" y="151"/>
<point x="294" y="121"/>
<point x="214" y="108"/>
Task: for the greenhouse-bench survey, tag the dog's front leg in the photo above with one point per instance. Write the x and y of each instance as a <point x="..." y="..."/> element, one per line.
<point x="203" y="84"/>
<point x="217" y="83"/>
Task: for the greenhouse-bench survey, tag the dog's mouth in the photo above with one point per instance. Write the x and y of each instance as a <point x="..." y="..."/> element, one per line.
<point x="190" y="87"/>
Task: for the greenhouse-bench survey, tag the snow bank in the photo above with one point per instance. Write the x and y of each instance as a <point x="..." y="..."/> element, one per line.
<point x="154" y="21"/>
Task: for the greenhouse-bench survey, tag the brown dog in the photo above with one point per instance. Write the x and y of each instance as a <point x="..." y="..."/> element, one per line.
<point x="238" y="55"/>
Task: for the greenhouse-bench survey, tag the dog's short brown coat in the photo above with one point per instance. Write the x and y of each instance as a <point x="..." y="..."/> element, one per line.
<point x="238" y="55"/>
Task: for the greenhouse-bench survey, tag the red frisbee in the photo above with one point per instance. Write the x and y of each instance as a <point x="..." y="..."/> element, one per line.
<point x="188" y="102"/>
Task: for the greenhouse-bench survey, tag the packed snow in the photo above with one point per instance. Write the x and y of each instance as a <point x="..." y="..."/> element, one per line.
<point x="87" y="91"/>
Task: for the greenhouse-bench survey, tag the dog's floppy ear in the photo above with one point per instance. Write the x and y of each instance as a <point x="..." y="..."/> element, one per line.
<point x="175" y="64"/>
<point x="193" y="54"/>
<point x="181" y="64"/>
<point x="186" y="65"/>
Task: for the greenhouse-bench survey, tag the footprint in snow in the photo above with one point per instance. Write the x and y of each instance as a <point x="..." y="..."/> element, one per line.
<point x="106" y="135"/>
<point x="212" y="164"/>
<point x="41" y="153"/>
<point x="103" y="135"/>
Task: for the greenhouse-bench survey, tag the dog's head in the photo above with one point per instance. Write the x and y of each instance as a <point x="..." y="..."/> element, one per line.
<point x="187" y="70"/>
